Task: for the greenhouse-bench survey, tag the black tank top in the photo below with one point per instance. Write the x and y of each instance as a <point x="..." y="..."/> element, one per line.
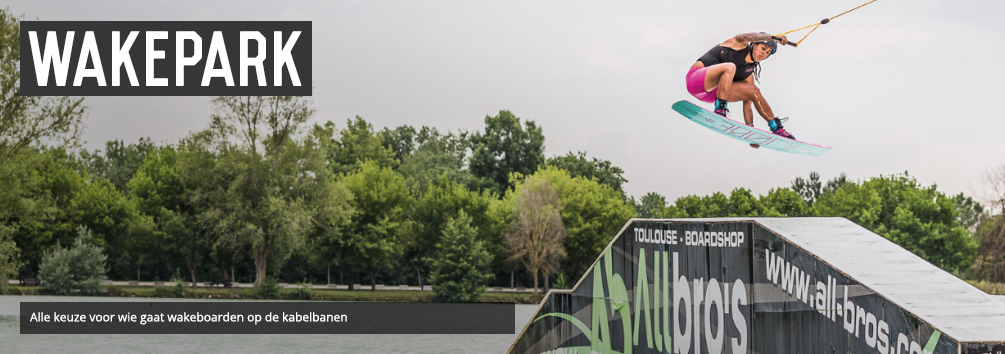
<point x="720" y="54"/>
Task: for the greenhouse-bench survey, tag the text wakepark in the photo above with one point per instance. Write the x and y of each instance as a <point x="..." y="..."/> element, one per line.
<point x="165" y="58"/>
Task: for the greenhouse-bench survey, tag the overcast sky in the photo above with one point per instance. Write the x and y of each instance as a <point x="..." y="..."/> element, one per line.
<point x="894" y="86"/>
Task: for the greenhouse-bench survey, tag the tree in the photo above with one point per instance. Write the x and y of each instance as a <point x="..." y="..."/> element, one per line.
<point x="9" y="262"/>
<point x="30" y="121"/>
<point x="742" y="203"/>
<point x="380" y="228"/>
<point x="270" y="185"/>
<point x="165" y="189"/>
<point x="28" y="124"/>
<point x="811" y="189"/>
<point x="990" y="261"/>
<point x="355" y="144"/>
<point x="713" y="206"/>
<point x="437" y="155"/>
<point x="536" y="235"/>
<point x="650" y="205"/>
<point x="461" y="263"/>
<point x="75" y="199"/>
<point x="970" y="213"/>
<point x="785" y="202"/>
<point x="444" y="201"/>
<point x="592" y="214"/>
<point x="599" y="170"/>
<point x="401" y="140"/>
<point x="332" y="206"/>
<point x="119" y="162"/>
<point x="75" y="270"/>
<point x="859" y="204"/>
<point x="920" y="219"/>
<point x="506" y="147"/>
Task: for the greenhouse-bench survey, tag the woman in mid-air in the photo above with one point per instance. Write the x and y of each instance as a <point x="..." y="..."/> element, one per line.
<point x="726" y="73"/>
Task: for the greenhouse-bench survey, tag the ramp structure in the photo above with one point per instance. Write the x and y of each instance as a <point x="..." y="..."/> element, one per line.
<point x="763" y="285"/>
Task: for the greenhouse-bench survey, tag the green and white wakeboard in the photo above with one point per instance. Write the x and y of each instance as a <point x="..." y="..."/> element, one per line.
<point x="739" y="131"/>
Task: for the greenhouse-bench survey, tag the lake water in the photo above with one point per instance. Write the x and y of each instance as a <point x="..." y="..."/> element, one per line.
<point x="11" y="341"/>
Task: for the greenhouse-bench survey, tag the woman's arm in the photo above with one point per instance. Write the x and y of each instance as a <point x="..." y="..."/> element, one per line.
<point x="752" y="37"/>
<point x="742" y="39"/>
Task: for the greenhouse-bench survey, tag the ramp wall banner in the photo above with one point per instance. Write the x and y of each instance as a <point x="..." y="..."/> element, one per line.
<point x="723" y="287"/>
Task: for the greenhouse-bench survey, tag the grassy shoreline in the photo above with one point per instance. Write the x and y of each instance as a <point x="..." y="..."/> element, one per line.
<point x="284" y="294"/>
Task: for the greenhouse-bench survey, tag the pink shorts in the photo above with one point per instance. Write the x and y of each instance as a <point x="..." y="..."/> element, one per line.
<point x="696" y="85"/>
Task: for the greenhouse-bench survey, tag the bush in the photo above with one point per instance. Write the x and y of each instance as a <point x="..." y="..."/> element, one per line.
<point x="178" y="290"/>
<point x="303" y="292"/>
<point x="268" y="289"/>
<point x="77" y="270"/>
<point x="8" y="256"/>
<point x="460" y="275"/>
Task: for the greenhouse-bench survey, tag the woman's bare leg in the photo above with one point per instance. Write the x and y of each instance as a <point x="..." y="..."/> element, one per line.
<point x="742" y="91"/>
<point x="721" y="76"/>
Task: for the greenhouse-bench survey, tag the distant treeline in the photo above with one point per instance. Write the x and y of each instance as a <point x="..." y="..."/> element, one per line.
<point x="261" y="193"/>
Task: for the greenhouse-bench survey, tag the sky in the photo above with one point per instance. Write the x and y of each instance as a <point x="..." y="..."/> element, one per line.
<point x="894" y="86"/>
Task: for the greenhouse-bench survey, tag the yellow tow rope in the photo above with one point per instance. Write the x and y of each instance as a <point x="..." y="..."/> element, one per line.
<point x="815" y="25"/>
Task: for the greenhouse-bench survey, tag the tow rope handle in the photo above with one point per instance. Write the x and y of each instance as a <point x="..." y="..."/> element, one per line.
<point x="816" y="25"/>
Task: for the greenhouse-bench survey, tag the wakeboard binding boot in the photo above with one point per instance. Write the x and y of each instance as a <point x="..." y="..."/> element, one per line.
<point x="777" y="129"/>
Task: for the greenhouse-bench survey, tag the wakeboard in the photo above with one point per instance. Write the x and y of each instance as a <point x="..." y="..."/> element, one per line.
<point x="739" y="131"/>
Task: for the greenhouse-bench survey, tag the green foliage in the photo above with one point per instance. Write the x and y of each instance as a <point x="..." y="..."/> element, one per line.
<point x="119" y="162"/>
<point x="970" y="213"/>
<point x="380" y="228"/>
<point x="654" y="205"/>
<point x="76" y="199"/>
<point x="561" y="282"/>
<point x="592" y="214"/>
<point x="785" y="202"/>
<point x="77" y="270"/>
<point x="506" y="147"/>
<point x="9" y="253"/>
<point x="743" y="203"/>
<point x="650" y="205"/>
<point x="811" y="189"/>
<point x="303" y="292"/>
<point x="921" y="219"/>
<point x="268" y="289"/>
<point x="178" y="290"/>
<point x="445" y="200"/>
<point x="401" y="140"/>
<point x="30" y="122"/>
<point x="276" y="189"/>
<point x="357" y="143"/>
<point x="599" y="170"/>
<point x="435" y="155"/>
<point x="990" y="261"/>
<point x="713" y="206"/>
<point x="462" y="262"/>
<point x="859" y="204"/>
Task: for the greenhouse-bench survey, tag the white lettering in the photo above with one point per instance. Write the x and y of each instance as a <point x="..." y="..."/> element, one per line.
<point x="60" y="61"/>
<point x="121" y="57"/>
<point x="181" y="61"/>
<point x="154" y="55"/>
<point x="217" y="49"/>
<point x="282" y="55"/>
<point x="89" y="50"/>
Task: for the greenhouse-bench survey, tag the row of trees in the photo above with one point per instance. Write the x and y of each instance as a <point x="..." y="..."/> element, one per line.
<point x="263" y="189"/>
<point x="263" y="193"/>
<point x="945" y="230"/>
